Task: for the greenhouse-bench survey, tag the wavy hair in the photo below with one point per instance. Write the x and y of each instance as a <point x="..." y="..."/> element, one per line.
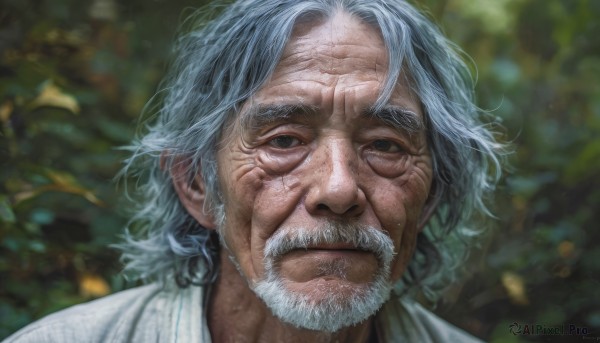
<point x="221" y="61"/>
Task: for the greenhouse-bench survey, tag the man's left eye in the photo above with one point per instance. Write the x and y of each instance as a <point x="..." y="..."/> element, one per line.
<point x="385" y="145"/>
<point x="284" y="142"/>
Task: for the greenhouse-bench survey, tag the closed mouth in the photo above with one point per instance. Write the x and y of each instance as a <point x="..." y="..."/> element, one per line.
<point x="333" y="247"/>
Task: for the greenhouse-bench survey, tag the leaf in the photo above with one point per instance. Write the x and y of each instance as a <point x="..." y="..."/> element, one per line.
<point x="94" y="286"/>
<point x="566" y="249"/>
<point x="42" y="216"/>
<point x="6" y="110"/>
<point x="515" y="287"/>
<point x="104" y="10"/>
<point x="67" y="183"/>
<point x="61" y="182"/>
<point x="6" y="212"/>
<point x="53" y="96"/>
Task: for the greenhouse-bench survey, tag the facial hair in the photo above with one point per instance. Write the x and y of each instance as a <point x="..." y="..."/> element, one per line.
<point x="338" y="309"/>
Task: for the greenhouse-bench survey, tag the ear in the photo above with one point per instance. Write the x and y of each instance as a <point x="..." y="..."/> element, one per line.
<point x="191" y="193"/>
<point x="429" y="209"/>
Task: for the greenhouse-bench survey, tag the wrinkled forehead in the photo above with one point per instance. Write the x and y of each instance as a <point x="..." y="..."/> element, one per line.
<point x="323" y="42"/>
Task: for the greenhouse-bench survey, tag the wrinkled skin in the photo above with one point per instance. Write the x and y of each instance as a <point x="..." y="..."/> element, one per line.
<point x="332" y="162"/>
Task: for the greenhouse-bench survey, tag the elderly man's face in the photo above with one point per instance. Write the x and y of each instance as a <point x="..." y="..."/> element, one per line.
<point x="307" y="151"/>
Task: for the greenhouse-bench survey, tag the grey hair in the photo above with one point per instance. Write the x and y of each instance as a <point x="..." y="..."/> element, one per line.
<point x="222" y="62"/>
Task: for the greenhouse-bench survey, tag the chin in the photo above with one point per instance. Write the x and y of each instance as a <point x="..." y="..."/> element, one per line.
<point x="325" y="304"/>
<point x="326" y="289"/>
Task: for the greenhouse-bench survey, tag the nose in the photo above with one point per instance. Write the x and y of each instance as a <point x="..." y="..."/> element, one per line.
<point x="335" y="189"/>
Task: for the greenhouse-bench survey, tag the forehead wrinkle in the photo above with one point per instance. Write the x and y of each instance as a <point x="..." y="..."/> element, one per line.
<point x="317" y="56"/>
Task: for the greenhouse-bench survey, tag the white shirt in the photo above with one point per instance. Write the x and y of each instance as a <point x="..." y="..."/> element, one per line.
<point x="156" y="313"/>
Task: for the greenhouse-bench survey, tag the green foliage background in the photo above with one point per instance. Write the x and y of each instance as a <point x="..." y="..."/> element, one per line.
<point x="74" y="76"/>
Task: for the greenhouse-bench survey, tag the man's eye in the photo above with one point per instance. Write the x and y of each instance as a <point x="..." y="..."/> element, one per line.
<point x="284" y="142"/>
<point x="385" y="146"/>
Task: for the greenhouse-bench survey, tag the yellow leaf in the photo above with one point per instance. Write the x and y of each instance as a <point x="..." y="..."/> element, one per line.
<point x="67" y="183"/>
<point x="5" y="111"/>
<point x="52" y="96"/>
<point x="25" y="195"/>
<point x="566" y="249"/>
<point x="515" y="287"/>
<point x="61" y="182"/>
<point x="94" y="286"/>
<point x="62" y="179"/>
<point x="91" y="197"/>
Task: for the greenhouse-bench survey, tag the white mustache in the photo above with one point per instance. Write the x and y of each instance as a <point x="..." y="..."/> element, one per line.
<point x="361" y="237"/>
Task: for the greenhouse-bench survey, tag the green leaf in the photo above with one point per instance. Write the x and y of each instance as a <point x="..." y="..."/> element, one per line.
<point x="6" y="213"/>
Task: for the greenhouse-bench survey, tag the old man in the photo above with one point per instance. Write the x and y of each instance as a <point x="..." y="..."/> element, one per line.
<point x="304" y="156"/>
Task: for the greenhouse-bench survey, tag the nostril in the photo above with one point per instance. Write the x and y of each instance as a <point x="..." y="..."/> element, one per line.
<point x="352" y="209"/>
<point x="322" y="207"/>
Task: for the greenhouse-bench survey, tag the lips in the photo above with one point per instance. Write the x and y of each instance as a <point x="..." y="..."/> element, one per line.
<point x="327" y="250"/>
<point x="327" y="253"/>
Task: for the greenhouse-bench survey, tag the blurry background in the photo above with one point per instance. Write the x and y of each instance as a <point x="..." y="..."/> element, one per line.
<point x="74" y="76"/>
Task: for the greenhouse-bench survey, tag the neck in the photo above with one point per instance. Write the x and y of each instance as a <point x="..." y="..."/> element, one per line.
<point x="236" y="314"/>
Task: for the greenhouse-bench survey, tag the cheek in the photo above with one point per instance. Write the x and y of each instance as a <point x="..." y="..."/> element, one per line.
<point x="281" y="191"/>
<point x="397" y="218"/>
<point x="273" y="204"/>
<point x="398" y="203"/>
<point x="256" y="204"/>
<point x="279" y="197"/>
<point x="399" y="200"/>
<point x="239" y="186"/>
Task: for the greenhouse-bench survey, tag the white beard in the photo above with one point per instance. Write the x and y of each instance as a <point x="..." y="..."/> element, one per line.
<point x="338" y="309"/>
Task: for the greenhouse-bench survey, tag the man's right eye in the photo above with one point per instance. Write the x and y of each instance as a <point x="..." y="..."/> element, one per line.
<point x="284" y="142"/>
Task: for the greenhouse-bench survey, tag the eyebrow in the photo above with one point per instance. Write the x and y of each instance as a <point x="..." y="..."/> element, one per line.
<point x="261" y="115"/>
<point x="398" y="117"/>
